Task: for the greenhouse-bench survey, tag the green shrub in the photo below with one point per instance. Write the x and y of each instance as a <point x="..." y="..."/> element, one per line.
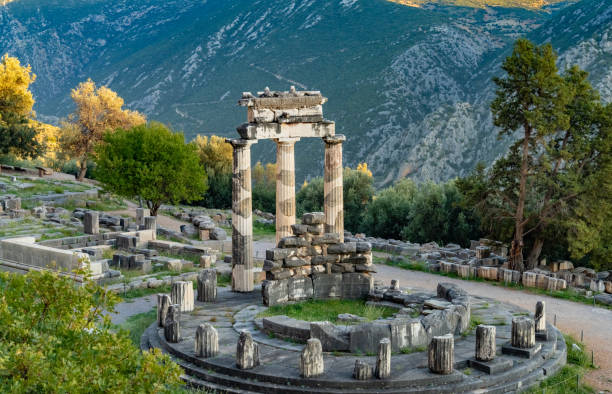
<point x="56" y="337"/>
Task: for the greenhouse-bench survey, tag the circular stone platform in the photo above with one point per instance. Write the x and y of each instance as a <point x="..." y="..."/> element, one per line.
<point x="279" y="371"/>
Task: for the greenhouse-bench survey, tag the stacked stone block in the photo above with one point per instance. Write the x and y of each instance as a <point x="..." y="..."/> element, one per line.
<point x="316" y="264"/>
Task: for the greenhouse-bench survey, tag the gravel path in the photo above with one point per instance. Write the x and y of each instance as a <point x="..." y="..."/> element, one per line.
<point x="572" y="317"/>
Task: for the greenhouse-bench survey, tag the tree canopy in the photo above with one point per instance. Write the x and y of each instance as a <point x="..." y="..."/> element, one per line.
<point x="17" y="134"/>
<point x="151" y="162"/>
<point x="98" y="110"/>
<point x="56" y="338"/>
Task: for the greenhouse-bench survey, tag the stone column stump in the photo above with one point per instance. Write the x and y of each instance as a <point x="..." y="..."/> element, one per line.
<point x="523" y="332"/>
<point x="383" y="360"/>
<point x="311" y="359"/>
<point x="141" y="213"/>
<point x="150" y="223"/>
<point x="540" y="320"/>
<point x="163" y="303"/>
<point x="182" y="294"/>
<point x="441" y="353"/>
<point x="91" y="224"/>
<point x="247" y="351"/>
<point x="207" y="285"/>
<point x="362" y="371"/>
<point x="485" y="343"/>
<point x="172" y="328"/>
<point x="206" y="341"/>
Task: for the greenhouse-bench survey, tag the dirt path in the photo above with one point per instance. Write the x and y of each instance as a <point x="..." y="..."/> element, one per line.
<point x="572" y="317"/>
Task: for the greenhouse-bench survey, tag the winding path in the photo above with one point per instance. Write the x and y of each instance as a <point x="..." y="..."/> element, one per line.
<point x="572" y="317"/>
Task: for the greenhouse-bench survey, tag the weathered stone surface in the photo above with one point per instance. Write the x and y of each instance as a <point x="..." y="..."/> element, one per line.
<point x="407" y="333"/>
<point x="206" y="341"/>
<point x="485" y="342"/>
<point x="332" y="337"/>
<point x="172" y="329"/>
<point x="150" y="223"/>
<point x="327" y="286"/>
<point x="275" y="292"/>
<point x="383" y="359"/>
<point x="342" y="248"/>
<point x="218" y="234"/>
<point x="440" y="355"/>
<point x="356" y="285"/>
<point x="363" y="247"/>
<point x="207" y="285"/>
<point x="163" y="303"/>
<point x="523" y="332"/>
<point x="126" y="242"/>
<point x="311" y="359"/>
<point x="365" y="338"/>
<point x="540" y="316"/>
<point x="482" y="252"/>
<point x="182" y="294"/>
<point x="326" y="239"/>
<point x="287" y="327"/>
<point x="313" y="218"/>
<point x="247" y="351"/>
<point x="299" y="289"/>
<point x="362" y="370"/>
<point x="91" y="224"/>
<point x="293" y="242"/>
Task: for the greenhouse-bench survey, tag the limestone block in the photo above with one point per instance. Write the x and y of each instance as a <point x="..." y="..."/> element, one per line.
<point x="293" y="242"/>
<point x="365" y="338"/>
<point x="383" y="359"/>
<point x="440" y="355"/>
<point x="561" y="284"/>
<point x="141" y="213"/>
<point x="218" y="234"/>
<point x="327" y="286"/>
<point x="523" y="332"/>
<point x="182" y="294"/>
<point x="327" y="239"/>
<point x="356" y="285"/>
<point x="287" y="327"/>
<point x="482" y="252"/>
<point x="247" y="351"/>
<point x="207" y="285"/>
<point x="362" y="370"/>
<point x="206" y="260"/>
<point x="172" y="329"/>
<point x="13" y="204"/>
<point x="332" y="337"/>
<point x="597" y="285"/>
<point x="275" y="292"/>
<point x="126" y="242"/>
<point x="311" y="359"/>
<point x="485" y="342"/>
<point x="529" y="279"/>
<point x="463" y="271"/>
<point x="540" y="316"/>
<point x="300" y="289"/>
<point x="407" y="333"/>
<point x="203" y="235"/>
<point x="163" y="303"/>
<point x="363" y="247"/>
<point x="608" y="286"/>
<point x="313" y="218"/>
<point x="342" y="248"/>
<point x="91" y="224"/>
<point x="542" y="281"/>
<point x="580" y="280"/>
<point x="206" y="341"/>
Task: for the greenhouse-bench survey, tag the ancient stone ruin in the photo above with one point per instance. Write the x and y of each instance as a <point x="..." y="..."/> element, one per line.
<point x="284" y="117"/>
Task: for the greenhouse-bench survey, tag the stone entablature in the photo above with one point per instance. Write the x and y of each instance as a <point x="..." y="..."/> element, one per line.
<point x="313" y="264"/>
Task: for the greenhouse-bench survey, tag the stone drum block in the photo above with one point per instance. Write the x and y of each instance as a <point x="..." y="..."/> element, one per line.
<point x="311" y="359"/>
<point x="247" y="351"/>
<point x="182" y="294"/>
<point x="207" y="285"/>
<point x="206" y="341"/>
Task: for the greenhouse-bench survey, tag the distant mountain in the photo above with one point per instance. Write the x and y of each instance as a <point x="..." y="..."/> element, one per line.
<point x="409" y="86"/>
<point x="480" y="3"/>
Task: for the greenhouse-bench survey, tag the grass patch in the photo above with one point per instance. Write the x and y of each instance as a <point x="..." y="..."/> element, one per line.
<point x="137" y="324"/>
<point x="136" y="293"/>
<point x="224" y="280"/>
<point x="410" y="350"/>
<point x="320" y="310"/>
<point x="262" y="230"/>
<point x="570" y="378"/>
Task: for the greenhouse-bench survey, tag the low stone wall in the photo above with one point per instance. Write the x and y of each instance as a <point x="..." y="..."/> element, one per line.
<point x="446" y="313"/>
<point x="315" y="264"/>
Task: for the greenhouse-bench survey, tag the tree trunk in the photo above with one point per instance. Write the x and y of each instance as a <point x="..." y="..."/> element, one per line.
<point x="534" y="254"/>
<point x="82" y="170"/>
<point x="516" y="252"/>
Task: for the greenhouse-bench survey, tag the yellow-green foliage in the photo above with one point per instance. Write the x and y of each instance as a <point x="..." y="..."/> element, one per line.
<point x="55" y="338"/>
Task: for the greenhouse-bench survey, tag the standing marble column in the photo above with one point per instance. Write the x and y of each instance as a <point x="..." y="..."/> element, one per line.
<point x="332" y="188"/>
<point x="285" y="186"/>
<point x="242" y="219"/>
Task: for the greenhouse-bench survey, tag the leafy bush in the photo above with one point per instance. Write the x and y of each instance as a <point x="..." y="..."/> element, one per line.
<point x="56" y="337"/>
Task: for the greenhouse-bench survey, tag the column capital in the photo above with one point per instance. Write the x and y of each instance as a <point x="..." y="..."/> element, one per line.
<point x="334" y="139"/>
<point x="240" y="142"/>
<point x="287" y="140"/>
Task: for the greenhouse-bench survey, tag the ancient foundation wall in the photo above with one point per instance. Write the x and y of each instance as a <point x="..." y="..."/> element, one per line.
<point x="313" y="264"/>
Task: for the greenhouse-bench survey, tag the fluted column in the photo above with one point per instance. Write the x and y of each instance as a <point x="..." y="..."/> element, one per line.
<point x="285" y="186"/>
<point x="242" y="219"/>
<point x="334" y="202"/>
